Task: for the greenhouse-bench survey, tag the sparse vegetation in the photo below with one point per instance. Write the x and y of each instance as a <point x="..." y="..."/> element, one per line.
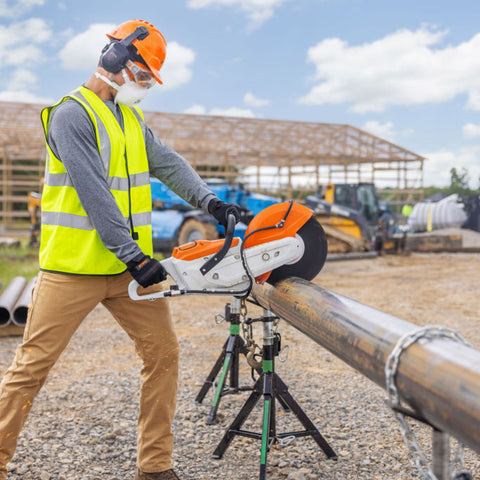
<point x="20" y="261"/>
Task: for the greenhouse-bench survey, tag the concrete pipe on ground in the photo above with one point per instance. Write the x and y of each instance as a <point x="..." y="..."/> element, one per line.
<point x="438" y="378"/>
<point x="20" y="310"/>
<point x="9" y="298"/>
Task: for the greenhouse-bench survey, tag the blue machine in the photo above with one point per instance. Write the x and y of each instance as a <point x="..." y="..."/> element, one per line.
<point x="175" y="222"/>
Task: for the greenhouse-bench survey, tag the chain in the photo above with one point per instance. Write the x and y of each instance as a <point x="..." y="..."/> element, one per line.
<point x="219" y="318"/>
<point x="276" y="321"/>
<point x="247" y="333"/>
<point x="391" y="367"/>
<point x="283" y="442"/>
<point x="243" y="309"/>
<point x="246" y="329"/>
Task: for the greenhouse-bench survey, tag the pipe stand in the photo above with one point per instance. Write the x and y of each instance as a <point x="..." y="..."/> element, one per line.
<point x="271" y="387"/>
<point x="228" y="362"/>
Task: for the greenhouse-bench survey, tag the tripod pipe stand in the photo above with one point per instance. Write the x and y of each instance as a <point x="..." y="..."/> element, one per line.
<point x="227" y="362"/>
<point x="271" y="386"/>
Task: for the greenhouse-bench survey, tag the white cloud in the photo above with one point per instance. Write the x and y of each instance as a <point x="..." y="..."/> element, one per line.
<point x="196" y="110"/>
<point x="226" y="112"/>
<point x="438" y="164"/>
<point x="404" y="68"/>
<point x="17" y="7"/>
<point x="382" y="130"/>
<point x="82" y="51"/>
<point x="20" y="47"/>
<point x="470" y="130"/>
<point x="178" y="65"/>
<point x="22" y="79"/>
<point x="257" y="11"/>
<point x="386" y="130"/>
<point x="233" y="112"/>
<point x="24" y="96"/>
<point x="19" y="42"/>
<point x="253" y="101"/>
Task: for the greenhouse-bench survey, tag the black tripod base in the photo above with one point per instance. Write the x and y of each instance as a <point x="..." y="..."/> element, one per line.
<point x="271" y="386"/>
<point x="227" y="364"/>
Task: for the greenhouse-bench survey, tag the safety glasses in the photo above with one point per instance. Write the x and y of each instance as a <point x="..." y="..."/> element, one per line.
<point x="141" y="75"/>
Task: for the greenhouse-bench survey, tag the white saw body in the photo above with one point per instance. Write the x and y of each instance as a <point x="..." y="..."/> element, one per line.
<point x="231" y="266"/>
<point x="229" y="275"/>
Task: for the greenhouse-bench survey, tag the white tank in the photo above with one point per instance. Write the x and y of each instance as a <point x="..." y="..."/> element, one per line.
<point x="447" y="213"/>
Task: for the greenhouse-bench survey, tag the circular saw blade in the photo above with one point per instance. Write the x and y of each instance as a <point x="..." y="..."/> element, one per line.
<point x="313" y="258"/>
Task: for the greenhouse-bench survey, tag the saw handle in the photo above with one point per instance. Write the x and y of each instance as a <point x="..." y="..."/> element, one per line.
<point x="133" y="294"/>
<point x="229" y="233"/>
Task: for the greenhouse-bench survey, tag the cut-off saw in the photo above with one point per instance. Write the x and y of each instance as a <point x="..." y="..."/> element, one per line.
<point x="283" y="240"/>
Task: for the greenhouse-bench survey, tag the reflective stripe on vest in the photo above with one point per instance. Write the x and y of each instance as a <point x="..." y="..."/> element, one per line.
<point x="70" y="220"/>
<point x="115" y="183"/>
<point x="69" y="242"/>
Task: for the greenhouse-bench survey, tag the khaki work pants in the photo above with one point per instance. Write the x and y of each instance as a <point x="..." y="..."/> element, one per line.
<point x="59" y="304"/>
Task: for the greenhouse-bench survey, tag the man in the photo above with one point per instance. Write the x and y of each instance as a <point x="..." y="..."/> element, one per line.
<point x="96" y="235"/>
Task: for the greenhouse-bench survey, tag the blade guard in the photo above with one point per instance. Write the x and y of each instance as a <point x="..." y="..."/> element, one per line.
<point x="258" y="231"/>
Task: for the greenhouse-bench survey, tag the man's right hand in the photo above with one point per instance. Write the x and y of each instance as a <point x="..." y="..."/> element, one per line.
<point x="147" y="271"/>
<point x="220" y="210"/>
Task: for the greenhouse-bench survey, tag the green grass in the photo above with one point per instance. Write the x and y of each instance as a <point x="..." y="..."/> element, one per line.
<point x="23" y="262"/>
<point x="18" y="262"/>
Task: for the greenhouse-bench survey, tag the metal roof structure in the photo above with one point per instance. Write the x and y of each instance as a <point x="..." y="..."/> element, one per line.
<point x="301" y="155"/>
<point x="272" y="142"/>
<point x="274" y="155"/>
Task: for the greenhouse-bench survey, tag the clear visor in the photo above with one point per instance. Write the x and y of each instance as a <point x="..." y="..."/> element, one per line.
<point x="141" y="75"/>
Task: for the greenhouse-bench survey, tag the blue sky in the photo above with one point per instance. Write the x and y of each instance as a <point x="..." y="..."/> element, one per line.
<point x="408" y="71"/>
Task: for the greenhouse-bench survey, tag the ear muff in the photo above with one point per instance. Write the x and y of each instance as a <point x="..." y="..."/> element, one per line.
<point x="116" y="54"/>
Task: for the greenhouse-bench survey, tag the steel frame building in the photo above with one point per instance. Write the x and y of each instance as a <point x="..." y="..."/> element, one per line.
<point x="282" y="157"/>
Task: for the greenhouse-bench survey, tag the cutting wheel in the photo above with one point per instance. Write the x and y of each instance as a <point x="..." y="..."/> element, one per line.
<point x="313" y="258"/>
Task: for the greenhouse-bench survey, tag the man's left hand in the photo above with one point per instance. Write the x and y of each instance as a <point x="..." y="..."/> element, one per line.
<point x="220" y="210"/>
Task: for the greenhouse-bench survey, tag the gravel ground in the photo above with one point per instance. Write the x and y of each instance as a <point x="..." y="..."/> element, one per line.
<point x="83" y="424"/>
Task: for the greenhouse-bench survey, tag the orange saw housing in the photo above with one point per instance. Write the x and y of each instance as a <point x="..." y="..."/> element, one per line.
<point x="262" y="229"/>
<point x="273" y="215"/>
<point x="200" y="248"/>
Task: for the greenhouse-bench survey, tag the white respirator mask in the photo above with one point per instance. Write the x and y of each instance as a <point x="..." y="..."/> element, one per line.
<point x="128" y="94"/>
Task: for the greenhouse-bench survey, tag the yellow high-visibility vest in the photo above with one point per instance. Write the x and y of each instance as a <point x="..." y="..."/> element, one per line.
<point x="69" y="242"/>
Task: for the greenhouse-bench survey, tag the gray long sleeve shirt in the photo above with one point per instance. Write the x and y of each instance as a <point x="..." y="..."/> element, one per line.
<point x="72" y="138"/>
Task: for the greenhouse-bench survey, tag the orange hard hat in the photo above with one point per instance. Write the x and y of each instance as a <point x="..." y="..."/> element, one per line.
<point x="152" y="49"/>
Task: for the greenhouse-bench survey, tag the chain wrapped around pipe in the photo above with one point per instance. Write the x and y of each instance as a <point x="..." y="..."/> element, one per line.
<point x="394" y="401"/>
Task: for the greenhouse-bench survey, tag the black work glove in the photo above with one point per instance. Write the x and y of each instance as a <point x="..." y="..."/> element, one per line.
<point x="146" y="271"/>
<point x="220" y="210"/>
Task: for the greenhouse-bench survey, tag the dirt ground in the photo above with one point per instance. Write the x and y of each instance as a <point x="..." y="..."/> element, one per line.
<point x="348" y="408"/>
<point x="424" y="289"/>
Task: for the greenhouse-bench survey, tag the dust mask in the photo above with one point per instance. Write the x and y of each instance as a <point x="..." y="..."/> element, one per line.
<point x="129" y="94"/>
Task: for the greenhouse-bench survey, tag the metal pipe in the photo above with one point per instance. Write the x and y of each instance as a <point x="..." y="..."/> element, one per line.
<point x="20" y="310"/>
<point x="9" y="298"/>
<point x="439" y="379"/>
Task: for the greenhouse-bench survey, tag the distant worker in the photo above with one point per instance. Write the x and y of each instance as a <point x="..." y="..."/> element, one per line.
<point x="407" y="210"/>
<point x="96" y="235"/>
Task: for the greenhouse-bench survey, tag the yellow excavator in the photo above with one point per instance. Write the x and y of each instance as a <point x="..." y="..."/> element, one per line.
<point x="354" y="220"/>
<point x="34" y="201"/>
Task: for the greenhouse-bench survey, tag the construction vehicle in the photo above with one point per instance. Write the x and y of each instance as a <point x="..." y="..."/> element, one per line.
<point x="354" y="219"/>
<point x="175" y="222"/>
<point x="34" y="202"/>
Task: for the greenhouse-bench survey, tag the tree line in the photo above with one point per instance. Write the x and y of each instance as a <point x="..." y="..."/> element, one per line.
<point x="459" y="184"/>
